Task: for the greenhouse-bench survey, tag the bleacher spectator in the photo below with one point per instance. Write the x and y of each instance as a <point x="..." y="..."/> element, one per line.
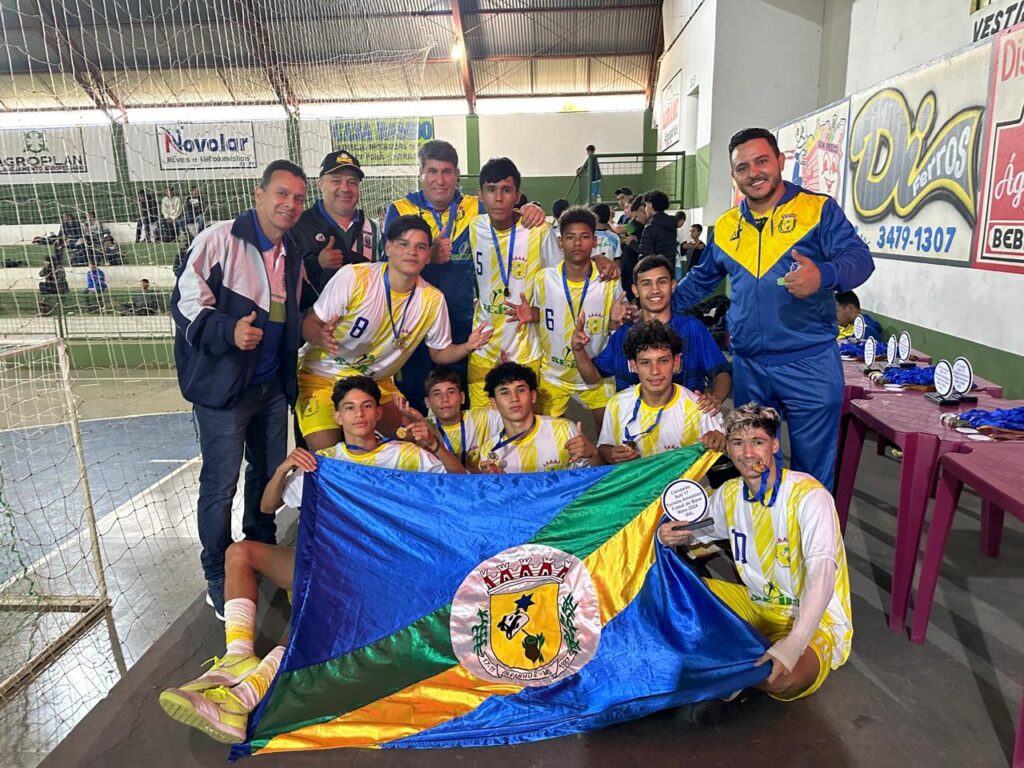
<point x="195" y="212"/>
<point x="95" y="230"/>
<point x="95" y="279"/>
<point x="149" y="215"/>
<point x="172" y="213"/>
<point x="54" y="280"/>
<point x="111" y="253"/>
<point x="144" y="303"/>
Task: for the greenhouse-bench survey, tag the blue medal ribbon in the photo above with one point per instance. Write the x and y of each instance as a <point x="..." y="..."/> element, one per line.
<point x="396" y="331"/>
<point x="1001" y="418"/>
<point x="506" y="272"/>
<point x="357" y="449"/>
<point x="448" y="443"/>
<point x="923" y="375"/>
<point x="444" y="230"/>
<point x="509" y="440"/>
<point x="568" y="293"/>
<point x="760" y="495"/>
<point x="636" y="412"/>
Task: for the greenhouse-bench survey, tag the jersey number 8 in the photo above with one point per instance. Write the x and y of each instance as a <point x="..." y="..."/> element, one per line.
<point x="358" y="327"/>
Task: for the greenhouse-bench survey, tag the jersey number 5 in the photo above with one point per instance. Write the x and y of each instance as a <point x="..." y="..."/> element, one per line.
<point x="479" y="263"/>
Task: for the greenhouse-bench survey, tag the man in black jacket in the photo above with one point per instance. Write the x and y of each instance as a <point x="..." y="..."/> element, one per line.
<point x="335" y="231"/>
<point x="659" y="236"/>
<point x="236" y="308"/>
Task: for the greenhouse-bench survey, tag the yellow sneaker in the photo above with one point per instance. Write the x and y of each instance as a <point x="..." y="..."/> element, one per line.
<point x="205" y="712"/>
<point x="227" y="670"/>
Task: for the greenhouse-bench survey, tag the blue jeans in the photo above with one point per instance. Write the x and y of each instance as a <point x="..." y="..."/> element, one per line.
<point x="808" y="394"/>
<point x="256" y="425"/>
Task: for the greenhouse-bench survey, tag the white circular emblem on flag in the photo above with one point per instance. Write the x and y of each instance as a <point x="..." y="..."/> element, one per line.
<point x="528" y="615"/>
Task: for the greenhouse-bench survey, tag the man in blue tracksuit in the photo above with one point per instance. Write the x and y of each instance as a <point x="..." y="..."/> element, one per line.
<point x="786" y="252"/>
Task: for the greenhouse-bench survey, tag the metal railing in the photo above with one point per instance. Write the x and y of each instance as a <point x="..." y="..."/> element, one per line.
<point x="640" y="171"/>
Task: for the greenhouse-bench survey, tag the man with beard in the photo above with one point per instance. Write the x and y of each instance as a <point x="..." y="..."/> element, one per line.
<point x="786" y="252"/>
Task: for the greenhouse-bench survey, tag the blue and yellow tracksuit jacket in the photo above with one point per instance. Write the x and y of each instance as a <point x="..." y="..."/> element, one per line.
<point x="765" y="321"/>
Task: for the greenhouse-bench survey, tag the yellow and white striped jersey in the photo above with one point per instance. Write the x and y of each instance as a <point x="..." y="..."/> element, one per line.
<point x="541" y="449"/>
<point x="366" y="340"/>
<point x="478" y="423"/>
<point x="656" y="430"/>
<point x="773" y="545"/>
<point x="533" y="249"/>
<point x="558" y="322"/>
<point x="392" y="454"/>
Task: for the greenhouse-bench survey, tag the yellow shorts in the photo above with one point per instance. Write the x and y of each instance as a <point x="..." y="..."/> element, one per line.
<point x="314" y="406"/>
<point x="553" y="398"/>
<point x="478" y="369"/>
<point x="775" y="626"/>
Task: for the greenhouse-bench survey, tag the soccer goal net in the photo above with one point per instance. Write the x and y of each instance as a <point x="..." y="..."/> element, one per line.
<point x="127" y="128"/>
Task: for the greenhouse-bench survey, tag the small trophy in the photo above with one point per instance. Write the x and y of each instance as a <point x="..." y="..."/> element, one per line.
<point x="686" y="502"/>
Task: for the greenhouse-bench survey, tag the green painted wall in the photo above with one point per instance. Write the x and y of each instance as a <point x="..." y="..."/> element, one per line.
<point x="145" y="353"/>
<point x="996" y="365"/>
<point x="472" y="145"/>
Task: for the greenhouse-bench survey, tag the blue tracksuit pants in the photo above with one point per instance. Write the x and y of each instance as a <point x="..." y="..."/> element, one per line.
<point x="808" y="393"/>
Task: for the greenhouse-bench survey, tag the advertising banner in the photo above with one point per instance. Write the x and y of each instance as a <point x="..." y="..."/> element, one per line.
<point x="815" y="150"/>
<point x="913" y="160"/>
<point x="57" y="155"/>
<point x="670" y="110"/>
<point x="999" y="239"/>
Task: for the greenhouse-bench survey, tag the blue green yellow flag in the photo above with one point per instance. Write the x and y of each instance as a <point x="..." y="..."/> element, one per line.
<point x="473" y="610"/>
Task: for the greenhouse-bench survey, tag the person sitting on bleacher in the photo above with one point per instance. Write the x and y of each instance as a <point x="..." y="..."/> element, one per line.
<point x="111" y="252"/>
<point x="144" y="303"/>
<point x="95" y="279"/>
<point x="69" y="238"/>
<point x="54" y="280"/>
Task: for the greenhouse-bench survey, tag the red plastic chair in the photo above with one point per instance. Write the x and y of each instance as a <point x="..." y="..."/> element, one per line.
<point x="995" y="471"/>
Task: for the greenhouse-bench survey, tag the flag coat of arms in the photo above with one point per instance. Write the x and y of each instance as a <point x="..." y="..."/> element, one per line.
<point x="475" y="610"/>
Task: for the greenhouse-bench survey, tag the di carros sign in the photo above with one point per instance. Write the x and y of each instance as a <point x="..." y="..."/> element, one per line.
<point x="206" y="146"/>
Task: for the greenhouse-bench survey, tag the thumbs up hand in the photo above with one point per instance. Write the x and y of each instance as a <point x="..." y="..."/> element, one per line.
<point x="805" y="279"/>
<point x="246" y="335"/>
<point x="579" y="447"/>
<point x="330" y="257"/>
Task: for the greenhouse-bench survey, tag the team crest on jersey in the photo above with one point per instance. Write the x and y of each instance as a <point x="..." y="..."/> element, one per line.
<point x="782" y="551"/>
<point x="529" y="615"/>
<point x="519" y="269"/>
<point x="320" y="238"/>
<point x="595" y="324"/>
<point x="787" y="223"/>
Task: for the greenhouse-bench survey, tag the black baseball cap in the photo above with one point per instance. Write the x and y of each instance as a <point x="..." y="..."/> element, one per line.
<point x="623" y="191"/>
<point x="341" y="159"/>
